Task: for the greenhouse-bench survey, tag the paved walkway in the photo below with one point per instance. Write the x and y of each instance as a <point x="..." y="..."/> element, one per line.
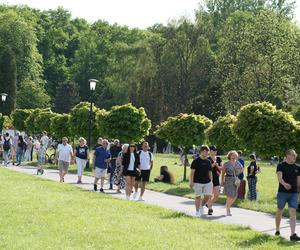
<point x="258" y="221"/>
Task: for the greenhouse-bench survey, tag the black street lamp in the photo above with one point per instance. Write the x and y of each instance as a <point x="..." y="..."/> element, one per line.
<point x="93" y="83"/>
<point x="3" y="100"/>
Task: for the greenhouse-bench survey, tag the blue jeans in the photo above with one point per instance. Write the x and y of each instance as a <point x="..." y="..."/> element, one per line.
<point x="19" y="156"/>
<point x="290" y="198"/>
<point x="5" y="157"/>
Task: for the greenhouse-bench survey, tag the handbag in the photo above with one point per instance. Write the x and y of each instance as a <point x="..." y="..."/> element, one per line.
<point x="237" y="181"/>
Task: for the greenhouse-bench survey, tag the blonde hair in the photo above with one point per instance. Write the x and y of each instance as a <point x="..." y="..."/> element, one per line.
<point x="230" y="153"/>
<point x="82" y="139"/>
<point x="126" y="145"/>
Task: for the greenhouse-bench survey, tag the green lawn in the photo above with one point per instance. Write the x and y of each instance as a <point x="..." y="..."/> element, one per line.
<point x="267" y="183"/>
<point x="41" y="214"/>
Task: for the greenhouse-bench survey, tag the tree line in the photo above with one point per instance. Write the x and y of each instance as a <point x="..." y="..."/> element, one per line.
<point x="234" y="53"/>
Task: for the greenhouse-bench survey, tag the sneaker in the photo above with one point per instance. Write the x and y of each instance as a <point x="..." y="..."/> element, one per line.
<point x="141" y="198"/>
<point x="295" y="237"/>
<point x="37" y="172"/>
<point x="111" y="187"/>
<point x="128" y="198"/>
<point x="95" y="187"/>
<point x="277" y="233"/>
<point x="201" y="210"/>
<point x="101" y="190"/>
<point x="197" y="214"/>
<point x="210" y="211"/>
<point x="42" y="171"/>
<point x="135" y="195"/>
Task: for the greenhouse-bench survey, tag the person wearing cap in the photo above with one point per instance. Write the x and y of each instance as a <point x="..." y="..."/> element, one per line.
<point x="217" y="168"/>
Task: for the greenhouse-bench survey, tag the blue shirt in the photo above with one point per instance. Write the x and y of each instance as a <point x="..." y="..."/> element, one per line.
<point x="241" y="175"/>
<point x="101" y="154"/>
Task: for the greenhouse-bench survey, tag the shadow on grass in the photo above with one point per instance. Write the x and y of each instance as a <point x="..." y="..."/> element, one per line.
<point x="175" y="215"/>
<point x="258" y="240"/>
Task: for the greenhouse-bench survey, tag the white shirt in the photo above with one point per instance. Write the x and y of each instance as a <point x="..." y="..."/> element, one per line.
<point x="45" y="141"/>
<point x="145" y="160"/>
<point x="64" y="152"/>
<point x="131" y="164"/>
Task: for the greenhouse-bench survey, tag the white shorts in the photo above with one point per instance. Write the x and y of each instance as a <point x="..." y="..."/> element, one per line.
<point x="100" y="173"/>
<point x="81" y="163"/>
<point x="203" y="189"/>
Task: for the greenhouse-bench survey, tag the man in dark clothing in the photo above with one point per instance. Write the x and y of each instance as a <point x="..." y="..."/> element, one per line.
<point x="114" y="151"/>
<point x="288" y="174"/>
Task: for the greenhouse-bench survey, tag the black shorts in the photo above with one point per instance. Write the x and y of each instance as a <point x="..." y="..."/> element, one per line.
<point x="144" y="176"/>
<point x="131" y="173"/>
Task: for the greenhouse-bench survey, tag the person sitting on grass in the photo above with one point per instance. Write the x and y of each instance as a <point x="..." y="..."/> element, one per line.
<point x="165" y="176"/>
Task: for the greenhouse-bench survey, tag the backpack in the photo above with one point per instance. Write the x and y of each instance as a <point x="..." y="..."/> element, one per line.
<point x="6" y="145"/>
<point x="150" y="155"/>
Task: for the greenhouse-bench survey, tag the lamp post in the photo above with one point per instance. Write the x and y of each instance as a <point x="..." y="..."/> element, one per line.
<point x="3" y="100"/>
<point x="93" y="83"/>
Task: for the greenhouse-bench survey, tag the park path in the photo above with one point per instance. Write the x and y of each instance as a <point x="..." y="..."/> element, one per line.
<point x="262" y="222"/>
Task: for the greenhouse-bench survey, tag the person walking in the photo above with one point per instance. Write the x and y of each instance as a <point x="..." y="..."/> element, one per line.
<point x="288" y="175"/>
<point x="201" y="179"/>
<point x="21" y="147"/>
<point x="146" y="165"/>
<point x="64" y="154"/>
<point x="131" y="163"/>
<point x="81" y="158"/>
<point x="41" y="156"/>
<point x="29" y="146"/>
<point x="115" y="149"/>
<point x="217" y="168"/>
<point x="232" y="168"/>
<point x="118" y="177"/>
<point x="252" y="171"/>
<point x="7" y="148"/>
<point x="100" y="163"/>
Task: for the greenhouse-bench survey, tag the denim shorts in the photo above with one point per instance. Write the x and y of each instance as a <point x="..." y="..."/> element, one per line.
<point x="290" y="198"/>
<point x="41" y="159"/>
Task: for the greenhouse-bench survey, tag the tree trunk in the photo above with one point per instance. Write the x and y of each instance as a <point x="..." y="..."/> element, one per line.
<point x="185" y="165"/>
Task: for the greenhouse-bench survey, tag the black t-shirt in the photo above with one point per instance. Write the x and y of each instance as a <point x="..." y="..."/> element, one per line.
<point x="202" y="168"/>
<point x="290" y="172"/>
<point x="216" y="172"/>
<point x="252" y="164"/>
<point x="81" y="152"/>
<point x="167" y="177"/>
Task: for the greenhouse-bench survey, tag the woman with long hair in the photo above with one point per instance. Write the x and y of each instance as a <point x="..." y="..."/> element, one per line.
<point x="131" y="163"/>
<point x="118" y="177"/>
<point x="165" y="176"/>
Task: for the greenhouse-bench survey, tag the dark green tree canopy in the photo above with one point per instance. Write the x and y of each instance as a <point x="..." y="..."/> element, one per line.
<point x="60" y="126"/>
<point x="19" y="117"/>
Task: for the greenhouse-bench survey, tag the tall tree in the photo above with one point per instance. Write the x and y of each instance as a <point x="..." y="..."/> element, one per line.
<point x="65" y="102"/>
<point x="8" y="80"/>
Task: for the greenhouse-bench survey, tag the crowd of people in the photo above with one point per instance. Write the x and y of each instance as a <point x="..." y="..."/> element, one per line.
<point x="128" y="168"/>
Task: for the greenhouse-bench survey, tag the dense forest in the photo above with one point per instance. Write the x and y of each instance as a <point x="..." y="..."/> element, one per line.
<point x="234" y="53"/>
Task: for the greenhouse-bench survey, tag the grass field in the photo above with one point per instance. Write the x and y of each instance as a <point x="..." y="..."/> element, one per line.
<point x="41" y="214"/>
<point x="267" y="183"/>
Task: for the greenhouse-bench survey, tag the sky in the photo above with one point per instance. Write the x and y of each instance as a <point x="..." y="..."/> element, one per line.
<point x="133" y="13"/>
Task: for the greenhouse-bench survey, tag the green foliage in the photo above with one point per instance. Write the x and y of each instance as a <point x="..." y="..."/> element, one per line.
<point x="221" y="133"/>
<point x="184" y="130"/>
<point x="79" y="120"/>
<point x="2" y="119"/>
<point x="19" y="117"/>
<point x="7" y="124"/>
<point x="126" y="123"/>
<point x="264" y="129"/>
<point x="66" y="97"/>
<point x="31" y="124"/>
<point x="43" y="121"/>
<point x="8" y="79"/>
<point x="60" y="126"/>
<point x="30" y="95"/>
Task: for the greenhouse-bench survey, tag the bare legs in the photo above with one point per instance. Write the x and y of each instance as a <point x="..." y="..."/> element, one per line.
<point x="214" y="197"/>
<point x="129" y="185"/>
